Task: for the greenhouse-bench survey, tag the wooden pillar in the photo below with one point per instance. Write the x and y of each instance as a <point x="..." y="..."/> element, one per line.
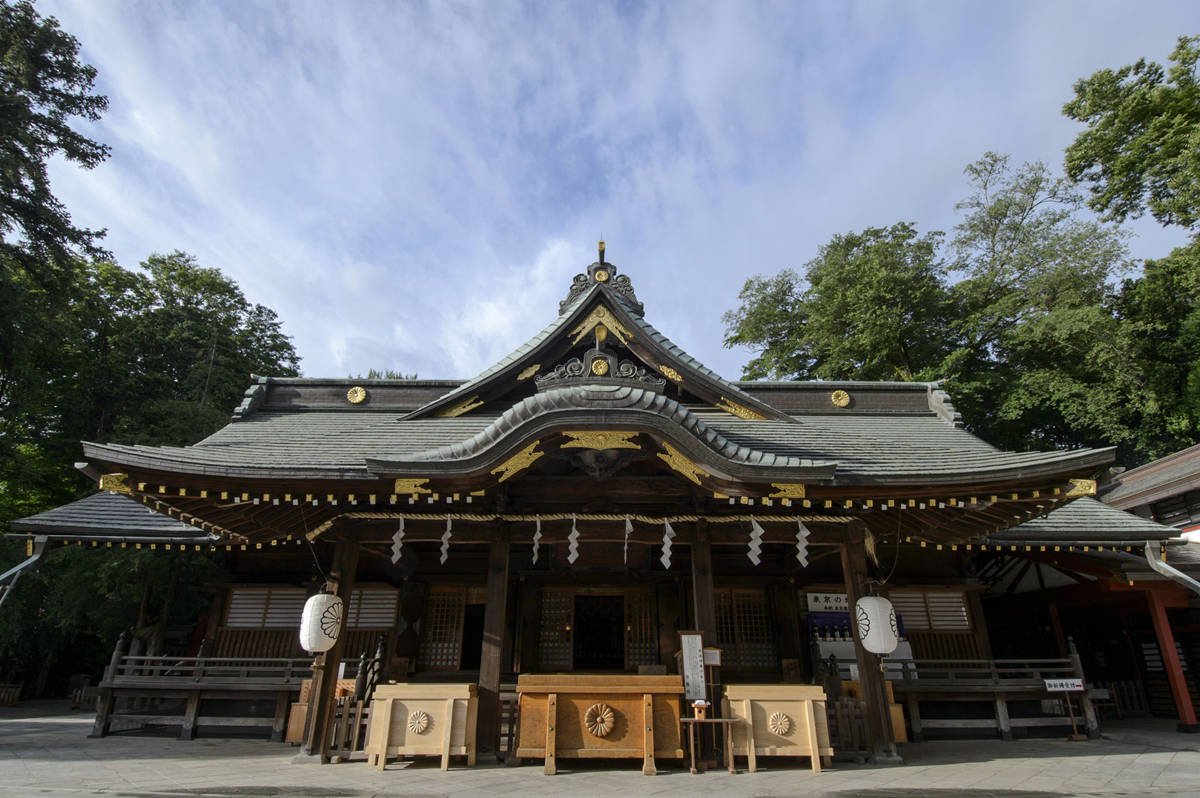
<point x="979" y="622"/>
<point x="1170" y="658"/>
<point x="1060" y="636"/>
<point x="704" y="614"/>
<point x="327" y="664"/>
<point x="529" y="617"/>
<point x="495" y="617"/>
<point x="881" y="740"/>
<point x="704" y="603"/>
<point x="787" y="623"/>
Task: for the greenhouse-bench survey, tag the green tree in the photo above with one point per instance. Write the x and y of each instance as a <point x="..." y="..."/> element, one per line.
<point x="384" y="374"/>
<point x="872" y="305"/>
<point x="167" y="352"/>
<point x="196" y="341"/>
<point x="64" y="617"/>
<point x="1018" y="320"/>
<point x="43" y="88"/>
<point x="1036" y="362"/>
<point x="1141" y="148"/>
<point x="1160" y="315"/>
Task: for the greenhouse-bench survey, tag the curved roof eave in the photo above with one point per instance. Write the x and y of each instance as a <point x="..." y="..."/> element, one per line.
<point x="608" y="407"/>
<point x="1064" y="464"/>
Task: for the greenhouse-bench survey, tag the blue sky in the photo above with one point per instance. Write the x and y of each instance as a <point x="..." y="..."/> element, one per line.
<point x="413" y="185"/>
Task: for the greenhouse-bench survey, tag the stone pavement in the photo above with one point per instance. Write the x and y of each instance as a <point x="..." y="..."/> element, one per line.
<point x="44" y="751"/>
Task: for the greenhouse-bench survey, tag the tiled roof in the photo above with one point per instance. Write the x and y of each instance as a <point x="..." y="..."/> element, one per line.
<point x="336" y="443"/>
<point x="1160" y="479"/>
<point x="107" y="515"/>
<point x="1086" y="519"/>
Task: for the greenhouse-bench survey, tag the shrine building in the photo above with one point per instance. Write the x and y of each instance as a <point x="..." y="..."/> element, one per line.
<point x="555" y="526"/>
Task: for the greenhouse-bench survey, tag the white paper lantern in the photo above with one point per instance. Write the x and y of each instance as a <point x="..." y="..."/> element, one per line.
<point x="877" y="624"/>
<point x="321" y="622"/>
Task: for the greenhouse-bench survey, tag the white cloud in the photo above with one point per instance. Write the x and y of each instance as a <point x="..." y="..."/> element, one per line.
<point x="412" y="186"/>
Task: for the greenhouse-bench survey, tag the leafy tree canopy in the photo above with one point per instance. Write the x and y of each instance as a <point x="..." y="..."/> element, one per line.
<point x="1016" y="313"/>
<point x="871" y="305"/>
<point x="1141" y="148"/>
<point x="43" y="89"/>
<point x="157" y="356"/>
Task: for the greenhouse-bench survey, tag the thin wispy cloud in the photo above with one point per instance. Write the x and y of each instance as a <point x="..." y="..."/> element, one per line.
<point x="412" y="186"/>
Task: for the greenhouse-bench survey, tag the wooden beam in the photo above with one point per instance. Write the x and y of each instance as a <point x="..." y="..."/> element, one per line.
<point x="326" y="666"/>
<point x="881" y="740"/>
<point x="704" y="606"/>
<point x="495" y="615"/>
<point x="1170" y="658"/>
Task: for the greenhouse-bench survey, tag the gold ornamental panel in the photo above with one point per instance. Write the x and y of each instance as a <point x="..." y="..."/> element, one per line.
<point x="677" y="461"/>
<point x="463" y="407"/>
<point x="601" y="316"/>
<point x="733" y="408"/>
<point x="518" y="462"/>
<point x="601" y="440"/>
<point x="117" y="483"/>
<point x="1081" y="487"/>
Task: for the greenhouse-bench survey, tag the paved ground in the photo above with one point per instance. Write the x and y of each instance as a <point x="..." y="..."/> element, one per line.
<point x="44" y="751"/>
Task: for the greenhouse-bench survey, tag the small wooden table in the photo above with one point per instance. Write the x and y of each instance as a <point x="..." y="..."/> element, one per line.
<point x="726" y="726"/>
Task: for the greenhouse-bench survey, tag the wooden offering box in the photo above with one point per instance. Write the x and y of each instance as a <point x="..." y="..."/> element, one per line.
<point x="778" y="720"/>
<point x="420" y="720"/>
<point x="581" y="716"/>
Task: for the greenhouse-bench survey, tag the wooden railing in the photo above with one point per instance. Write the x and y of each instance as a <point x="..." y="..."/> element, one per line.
<point x="937" y="674"/>
<point x="228" y="672"/>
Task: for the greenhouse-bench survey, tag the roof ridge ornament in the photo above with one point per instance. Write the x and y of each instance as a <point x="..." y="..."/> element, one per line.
<point x="603" y="273"/>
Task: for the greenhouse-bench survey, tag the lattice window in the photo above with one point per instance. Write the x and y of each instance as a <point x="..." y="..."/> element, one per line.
<point x="554" y="636"/>
<point x="745" y="631"/>
<point x="1153" y="658"/>
<point x="265" y="608"/>
<point x="442" y="630"/>
<point x="932" y="610"/>
<point x="641" y="630"/>
<point x="372" y="608"/>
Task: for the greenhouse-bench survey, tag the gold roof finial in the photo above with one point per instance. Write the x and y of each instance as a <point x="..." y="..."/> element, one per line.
<point x="601" y="250"/>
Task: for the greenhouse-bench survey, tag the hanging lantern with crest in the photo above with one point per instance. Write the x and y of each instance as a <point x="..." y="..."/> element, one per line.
<point x="877" y="629"/>
<point x="321" y="622"/>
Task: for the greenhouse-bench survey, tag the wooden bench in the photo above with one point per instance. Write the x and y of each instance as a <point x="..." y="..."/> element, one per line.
<point x="150" y="682"/>
<point x="995" y="682"/>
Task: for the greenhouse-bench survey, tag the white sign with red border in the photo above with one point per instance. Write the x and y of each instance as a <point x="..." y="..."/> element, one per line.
<point x="1064" y="685"/>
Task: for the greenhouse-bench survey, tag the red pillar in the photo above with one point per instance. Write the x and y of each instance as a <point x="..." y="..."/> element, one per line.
<point x="1166" y="645"/>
